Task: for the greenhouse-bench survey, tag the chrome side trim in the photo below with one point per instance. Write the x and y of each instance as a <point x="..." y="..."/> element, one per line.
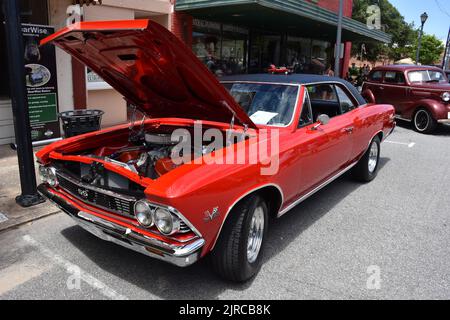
<point x="404" y="119"/>
<point x="242" y="197"/>
<point x="309" y="194"/>
<point x="444" y="121"/>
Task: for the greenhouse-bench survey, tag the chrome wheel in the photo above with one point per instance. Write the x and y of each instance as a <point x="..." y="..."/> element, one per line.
<point x="421" y="120"/>
<point x="373" y="157"/>
<point x="255" y="235"/>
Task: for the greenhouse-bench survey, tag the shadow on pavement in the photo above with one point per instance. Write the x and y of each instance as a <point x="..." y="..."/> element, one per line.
<point x="441" y="129"/>
<point x="199" y="281"/>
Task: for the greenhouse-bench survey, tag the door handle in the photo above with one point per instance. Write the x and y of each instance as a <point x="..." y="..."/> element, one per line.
<point x="348" y="130"/>
<point x="381" y="88"/>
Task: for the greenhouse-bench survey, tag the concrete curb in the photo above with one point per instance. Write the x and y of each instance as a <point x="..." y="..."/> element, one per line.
<point x="12" y="223"/>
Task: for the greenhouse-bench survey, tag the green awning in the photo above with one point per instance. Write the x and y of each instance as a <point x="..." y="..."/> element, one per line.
<point x="297" y="16"/>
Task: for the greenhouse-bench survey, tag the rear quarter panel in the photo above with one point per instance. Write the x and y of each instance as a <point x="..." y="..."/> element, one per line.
<point x="370" y="120"/>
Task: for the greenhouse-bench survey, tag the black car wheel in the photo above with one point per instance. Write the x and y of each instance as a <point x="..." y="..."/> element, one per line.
<point x="423" y="121"/>
<point x="237" y="255"/>
<point x="367" y="168"/>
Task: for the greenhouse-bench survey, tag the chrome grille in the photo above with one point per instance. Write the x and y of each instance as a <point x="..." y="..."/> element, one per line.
<point x="103" y="199"/>
<point x="184" y="228"/>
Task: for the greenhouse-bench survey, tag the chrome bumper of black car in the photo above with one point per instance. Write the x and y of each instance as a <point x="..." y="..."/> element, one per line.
<point x="182" y="256"/>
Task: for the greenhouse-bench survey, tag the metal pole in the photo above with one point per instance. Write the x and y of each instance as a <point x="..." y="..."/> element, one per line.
<point x="337" y="57"/>
<point x="15" y="48"/>
<point x="419" y="44"/>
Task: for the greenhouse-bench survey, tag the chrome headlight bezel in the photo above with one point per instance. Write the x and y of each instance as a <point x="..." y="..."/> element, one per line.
<point x="144" y="213"/>
<point x="48" y="176"/>
<point x="43" y="174"/>
<point x="446" y="97"/>
<point x="52" y="179"/>
<point x="166" y="222"/>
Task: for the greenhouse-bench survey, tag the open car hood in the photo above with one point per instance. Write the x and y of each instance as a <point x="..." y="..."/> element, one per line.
<point x="151" y="68"/>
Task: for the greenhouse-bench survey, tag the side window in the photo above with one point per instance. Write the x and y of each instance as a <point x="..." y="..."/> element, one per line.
<point x="394" y="77"/>
<point x="345" y="102"/>
<point x="324" y="92"/>
<point x="306" y="115"/>
<point x="376" y="76"/>
<point x="324" y="100"/>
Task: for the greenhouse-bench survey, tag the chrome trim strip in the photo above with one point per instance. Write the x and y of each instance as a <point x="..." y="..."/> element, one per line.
<point x="309" y="194"/>
<point x="444" y="121"/>
<point x="242" y="197"/>
<point x="406" y="86"/>
<point x="262" y="82"/>
<point x="404" y="119"/>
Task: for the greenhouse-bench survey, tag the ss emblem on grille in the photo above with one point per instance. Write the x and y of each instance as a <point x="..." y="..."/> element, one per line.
<point x="83" y="193"/>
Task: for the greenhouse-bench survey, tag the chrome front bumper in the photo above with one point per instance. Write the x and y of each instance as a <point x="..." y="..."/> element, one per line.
<point x="182" y="256"/>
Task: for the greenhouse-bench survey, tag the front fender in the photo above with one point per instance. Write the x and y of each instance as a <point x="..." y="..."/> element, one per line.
<point x="438" y="109"/>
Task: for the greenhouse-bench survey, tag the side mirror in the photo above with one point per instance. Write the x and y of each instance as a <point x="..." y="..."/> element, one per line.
<point x="323" y="119"/>
<point x="368" y="95"/>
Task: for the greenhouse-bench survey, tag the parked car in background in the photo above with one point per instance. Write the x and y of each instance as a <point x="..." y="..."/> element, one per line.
<point x="121" y="183"/>
<point x="420" y="94"/>
<point x="447" y="73"/>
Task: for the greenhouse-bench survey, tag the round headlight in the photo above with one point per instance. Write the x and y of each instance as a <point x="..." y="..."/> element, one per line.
<point x="144" y="213"/>
<point x="43" y="175"/>
<point x="446" y="96"/>
<point x="52" y="179"/>
<point x="166" y="223"/>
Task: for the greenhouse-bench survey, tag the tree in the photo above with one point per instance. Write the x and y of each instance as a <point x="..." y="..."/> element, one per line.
<point x="403" y="34"/>
<point x="431" y="49"/>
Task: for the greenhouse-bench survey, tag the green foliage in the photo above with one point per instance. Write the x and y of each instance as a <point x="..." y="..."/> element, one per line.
<point x="403" y="34"/>
<point x="431" y="49"/>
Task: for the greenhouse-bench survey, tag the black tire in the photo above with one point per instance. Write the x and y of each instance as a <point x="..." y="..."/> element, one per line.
<point x="229" y="258"/>
<point x="363" y="171"/>
<point x="423" y="121"/>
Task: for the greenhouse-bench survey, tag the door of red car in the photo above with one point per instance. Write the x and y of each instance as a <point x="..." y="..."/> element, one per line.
<point x="395" y="90"/>
<point x="337" y="142"/>
<point x="374" y="85"/>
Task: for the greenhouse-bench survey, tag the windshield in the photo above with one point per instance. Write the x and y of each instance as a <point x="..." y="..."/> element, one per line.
<point x="266" y="104"/>
<point x="427" y="76"/>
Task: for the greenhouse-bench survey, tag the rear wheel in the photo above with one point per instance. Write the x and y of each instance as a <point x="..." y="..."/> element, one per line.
<point x="423" y="121"/>
<point x="367" y="168"/>
<point x="239" y="249"/>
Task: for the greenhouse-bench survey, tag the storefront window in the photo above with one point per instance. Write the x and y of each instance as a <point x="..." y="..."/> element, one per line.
<point x="299" y="54"/>
<point x="321" y="56"/>
<point x="222" y="48"/>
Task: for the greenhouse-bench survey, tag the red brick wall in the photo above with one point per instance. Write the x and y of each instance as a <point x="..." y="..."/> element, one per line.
<point x="333" y="5"/>
<point x="181" y="26"/>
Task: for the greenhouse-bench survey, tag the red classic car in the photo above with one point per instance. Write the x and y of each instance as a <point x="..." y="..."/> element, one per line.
<point x="123" y="185"/>
<point x="420" y="94"/>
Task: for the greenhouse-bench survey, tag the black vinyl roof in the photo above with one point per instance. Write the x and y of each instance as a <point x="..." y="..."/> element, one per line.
<point x="300" y="79"/>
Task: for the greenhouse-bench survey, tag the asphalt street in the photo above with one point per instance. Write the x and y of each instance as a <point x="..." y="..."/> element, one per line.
<point x="389" y="239"/>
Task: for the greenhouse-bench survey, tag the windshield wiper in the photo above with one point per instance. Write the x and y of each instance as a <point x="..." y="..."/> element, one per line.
<point x="430" y="81"/>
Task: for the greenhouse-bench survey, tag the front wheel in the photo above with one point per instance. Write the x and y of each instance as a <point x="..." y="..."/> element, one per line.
<point x="239" y="249"/>
<point x="367" y="168"/>
<point x="424" y="122"/>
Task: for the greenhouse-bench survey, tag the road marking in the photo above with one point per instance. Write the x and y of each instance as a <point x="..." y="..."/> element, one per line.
<point x="86" y="277"/>
<point x="19" y="273"/>
<point x="409" y="145"/>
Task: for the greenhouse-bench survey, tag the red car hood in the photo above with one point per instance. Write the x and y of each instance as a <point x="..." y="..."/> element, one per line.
<point x="151" y="68"/>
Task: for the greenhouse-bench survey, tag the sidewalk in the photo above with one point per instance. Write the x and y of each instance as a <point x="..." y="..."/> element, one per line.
<point x="11" y="214"/>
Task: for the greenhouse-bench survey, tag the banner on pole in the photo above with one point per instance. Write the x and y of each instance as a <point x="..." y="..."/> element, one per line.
<point x="41" y="82"/>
